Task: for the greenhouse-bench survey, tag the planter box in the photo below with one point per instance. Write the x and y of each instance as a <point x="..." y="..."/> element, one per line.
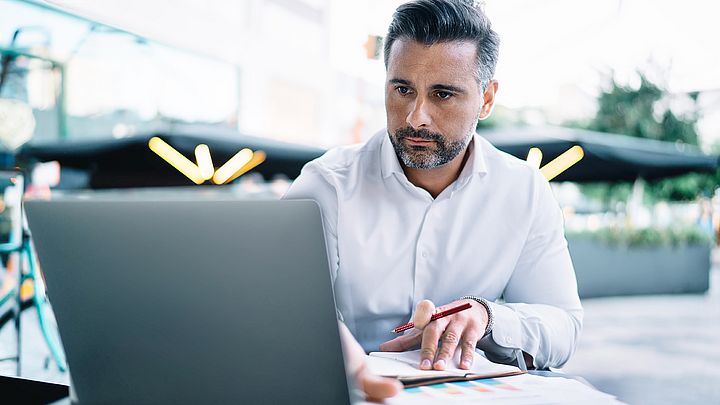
<point x="604" y="270"/>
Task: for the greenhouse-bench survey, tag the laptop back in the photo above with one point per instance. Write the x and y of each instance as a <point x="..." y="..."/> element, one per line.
<point x="191" y="301"/>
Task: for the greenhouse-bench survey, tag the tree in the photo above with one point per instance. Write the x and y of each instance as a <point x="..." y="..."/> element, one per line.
<point x="634" y="112"/>
<point x="644" y="112"/>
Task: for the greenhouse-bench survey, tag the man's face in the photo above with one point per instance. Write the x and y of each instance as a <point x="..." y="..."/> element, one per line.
<point x="433" y="101"/>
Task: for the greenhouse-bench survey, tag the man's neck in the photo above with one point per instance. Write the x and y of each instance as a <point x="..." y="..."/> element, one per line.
<point x="435" y="180"/>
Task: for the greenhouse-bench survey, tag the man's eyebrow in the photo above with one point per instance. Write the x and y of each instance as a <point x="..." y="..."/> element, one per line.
<point x="448" y="87"/>
<point x="400" y="81"/>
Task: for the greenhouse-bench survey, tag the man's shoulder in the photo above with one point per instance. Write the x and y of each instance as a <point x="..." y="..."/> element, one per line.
<point x="342" y="158"/>
<point x="506" y="164"/>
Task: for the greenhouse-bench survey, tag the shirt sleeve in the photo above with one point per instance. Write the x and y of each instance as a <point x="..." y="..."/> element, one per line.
<point x="314" y="184"/>
<point x="542" y="314"/>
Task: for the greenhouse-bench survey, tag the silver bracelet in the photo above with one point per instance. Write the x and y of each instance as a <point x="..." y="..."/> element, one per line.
<point x="491" y="314"/>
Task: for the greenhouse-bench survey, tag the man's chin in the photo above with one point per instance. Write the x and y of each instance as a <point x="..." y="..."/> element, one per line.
<point x="422" y="164"/>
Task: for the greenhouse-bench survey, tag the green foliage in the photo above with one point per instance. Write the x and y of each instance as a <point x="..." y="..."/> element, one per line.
<point x="624" y="110"/>
<point x="678" y="129"/>
<point x="502" y="117"/>
<point x="646" y="237"/>
<point x="628" y="111"/>
<point x="489" y="122"/>
<point x="642" y="112"/>
<point x="683" y="188"/>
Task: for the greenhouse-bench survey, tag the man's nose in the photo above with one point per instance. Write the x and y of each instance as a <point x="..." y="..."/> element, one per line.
<point x="419" y="115"/>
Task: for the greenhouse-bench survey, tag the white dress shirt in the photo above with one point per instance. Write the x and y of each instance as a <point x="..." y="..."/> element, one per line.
<point x="496" y="232"/>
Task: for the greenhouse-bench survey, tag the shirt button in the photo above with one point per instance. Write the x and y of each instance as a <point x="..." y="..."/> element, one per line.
<point x="424" y="255"/>
<point x="508" y="339"/>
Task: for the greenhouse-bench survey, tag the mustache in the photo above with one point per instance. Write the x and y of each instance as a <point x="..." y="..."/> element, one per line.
<point x="410" y="132"/>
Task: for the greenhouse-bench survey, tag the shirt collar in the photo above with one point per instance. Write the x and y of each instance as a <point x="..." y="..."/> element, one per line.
<point x="390" y="164"/>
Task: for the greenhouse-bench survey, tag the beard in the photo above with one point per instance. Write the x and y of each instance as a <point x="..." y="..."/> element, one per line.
<point x="430" y="156"/>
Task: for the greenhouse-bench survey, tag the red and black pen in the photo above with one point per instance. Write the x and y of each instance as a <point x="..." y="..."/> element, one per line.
<point x="438" y="315"/>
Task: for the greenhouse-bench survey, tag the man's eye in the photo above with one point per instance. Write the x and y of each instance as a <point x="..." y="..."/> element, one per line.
<point x="403" y="90"/>
<point x="444" y="95"/>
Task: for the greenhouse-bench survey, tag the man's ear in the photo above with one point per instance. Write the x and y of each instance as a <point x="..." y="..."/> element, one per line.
<point x="488" y="99"/>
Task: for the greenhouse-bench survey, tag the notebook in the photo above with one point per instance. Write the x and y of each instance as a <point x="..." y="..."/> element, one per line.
<point x="405" y="367"/>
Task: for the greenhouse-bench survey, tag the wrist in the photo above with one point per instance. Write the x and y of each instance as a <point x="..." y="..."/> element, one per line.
<point x="488" y="310"/>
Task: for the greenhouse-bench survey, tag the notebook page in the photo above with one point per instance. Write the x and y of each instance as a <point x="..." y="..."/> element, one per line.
<point x="407" y="364"/>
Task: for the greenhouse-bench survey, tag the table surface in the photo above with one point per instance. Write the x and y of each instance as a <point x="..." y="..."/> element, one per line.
<point x="57" y="394"/>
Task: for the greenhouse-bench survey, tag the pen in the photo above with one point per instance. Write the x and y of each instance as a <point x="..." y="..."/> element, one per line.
<point x="435" y="316"/>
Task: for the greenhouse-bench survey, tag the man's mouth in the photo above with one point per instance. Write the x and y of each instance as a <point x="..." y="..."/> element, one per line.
<point x="418" y="141"/>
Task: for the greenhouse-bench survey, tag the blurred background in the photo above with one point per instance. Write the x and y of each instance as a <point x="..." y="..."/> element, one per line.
<point x="86" y="85"/>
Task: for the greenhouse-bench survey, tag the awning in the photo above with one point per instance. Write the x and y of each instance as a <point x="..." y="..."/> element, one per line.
<point x="128" y="162"/>
<point x="608" y="157"/>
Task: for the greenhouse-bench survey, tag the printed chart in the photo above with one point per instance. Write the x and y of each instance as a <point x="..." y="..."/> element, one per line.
<point x="521" y="389"/>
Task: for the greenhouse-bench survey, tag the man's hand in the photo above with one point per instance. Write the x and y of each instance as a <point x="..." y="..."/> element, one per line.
<point x="463" y="328"/>
<point x="376" y="388"/>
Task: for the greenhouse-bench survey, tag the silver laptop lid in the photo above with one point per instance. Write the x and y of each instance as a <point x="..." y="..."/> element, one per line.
<point x="191" y="301"/>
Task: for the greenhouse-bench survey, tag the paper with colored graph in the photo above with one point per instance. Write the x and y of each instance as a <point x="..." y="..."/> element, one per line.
<point x="522" y="389"/>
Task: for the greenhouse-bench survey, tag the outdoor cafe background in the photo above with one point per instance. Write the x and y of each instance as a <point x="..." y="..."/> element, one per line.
<point x="85" y="86"/>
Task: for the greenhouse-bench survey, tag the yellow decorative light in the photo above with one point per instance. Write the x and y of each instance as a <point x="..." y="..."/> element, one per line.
<point x="239" y="164"/>
<point x="534" y="157"/>
<point x="562" y="162"/>
<point x="232" y="166"/>
<point x="204" y="161"/>
<point x="176" y="159"/>
<point x="257" y="158"/>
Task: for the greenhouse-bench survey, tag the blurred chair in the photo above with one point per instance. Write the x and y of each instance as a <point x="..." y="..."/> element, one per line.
<point x="18" y="254"/>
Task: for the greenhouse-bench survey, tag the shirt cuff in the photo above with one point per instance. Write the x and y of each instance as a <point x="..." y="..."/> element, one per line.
<point x="507" y="329"/>
<point x="502" y="344"/>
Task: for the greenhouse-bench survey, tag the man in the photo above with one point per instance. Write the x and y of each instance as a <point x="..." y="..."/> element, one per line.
<point x="429" y="210"/>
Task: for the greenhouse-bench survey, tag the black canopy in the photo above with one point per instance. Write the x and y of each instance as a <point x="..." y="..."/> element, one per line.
<point x="129" y="162"/>
<point x="608" y="157"/>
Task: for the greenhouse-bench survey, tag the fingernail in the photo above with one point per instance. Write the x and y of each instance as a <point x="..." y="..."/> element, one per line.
<point x="465" y="364"/>
<point x="425" y="365"/>
<point x="440" y="364"/>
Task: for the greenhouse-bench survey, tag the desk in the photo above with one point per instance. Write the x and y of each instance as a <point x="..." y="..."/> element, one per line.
<point x="40" y="392"/>
<point x="548" y="373"/>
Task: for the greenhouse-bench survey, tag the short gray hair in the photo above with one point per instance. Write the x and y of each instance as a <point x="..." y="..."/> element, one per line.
<point x="433" y="21"/>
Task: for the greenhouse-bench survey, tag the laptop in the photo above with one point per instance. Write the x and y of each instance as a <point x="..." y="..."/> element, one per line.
<point x="187" y="301"/>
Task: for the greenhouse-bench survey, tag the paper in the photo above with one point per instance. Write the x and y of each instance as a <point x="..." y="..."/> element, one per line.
<point x="520" y="389"/>
<point x="516" y="389"/>
<point x="406" y="365"/>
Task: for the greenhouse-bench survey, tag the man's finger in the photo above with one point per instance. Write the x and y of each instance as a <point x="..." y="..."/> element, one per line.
<point x="450" y="339"/>
<point x="467" y="344"/>
<point x="428" y="348"/>
<point x="424" y="310"/>
<point x="403" y="343"/>
<point x="377" y="388"/>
